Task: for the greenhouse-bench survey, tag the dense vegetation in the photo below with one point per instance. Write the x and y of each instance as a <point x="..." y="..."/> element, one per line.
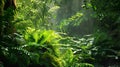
<point x="34" y="34"/>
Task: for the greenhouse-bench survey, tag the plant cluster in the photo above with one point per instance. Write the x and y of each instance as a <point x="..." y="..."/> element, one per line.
<point x="107" y="32"/>
<point x="34" y="44"/>
<point x="36" y="48"/>
<point x="82" y="50"/>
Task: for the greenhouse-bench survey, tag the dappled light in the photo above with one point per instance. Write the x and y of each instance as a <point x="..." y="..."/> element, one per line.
<point x="59" y="33"/>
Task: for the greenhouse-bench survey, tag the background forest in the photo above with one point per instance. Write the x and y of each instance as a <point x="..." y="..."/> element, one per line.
<point x="59" y="33"/>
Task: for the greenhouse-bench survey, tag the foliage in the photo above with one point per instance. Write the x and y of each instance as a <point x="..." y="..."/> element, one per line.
<point x="30" y="54"/>
<point x="107" y="36"/>
<point x="68" y="56"/>
<point x="77" y="22"/>
<point x="105" y="11"/>
<point x="32" y="47"/>
<point x="30" y="15"/>
<point x="11" y="54"/>
<point x="46" y="38"/>
<point x="40" y="35"/>
<point x="84" y="65"/>
<point x="37" y="46"/>
<point x="81" y="47"/>
<point x="75" y="18"/>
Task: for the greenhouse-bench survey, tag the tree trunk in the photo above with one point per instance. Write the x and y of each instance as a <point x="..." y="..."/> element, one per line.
<point x="7" y="12"/>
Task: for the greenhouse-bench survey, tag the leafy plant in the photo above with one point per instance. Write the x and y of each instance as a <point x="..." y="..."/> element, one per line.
<point x="36" y="14"/>
<point x="11" y="53"/>
<point x="75" y="18"/>
<point x="46" y="44"/>
<point x="107" y="35"/>
<point x="81" y="47"/>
